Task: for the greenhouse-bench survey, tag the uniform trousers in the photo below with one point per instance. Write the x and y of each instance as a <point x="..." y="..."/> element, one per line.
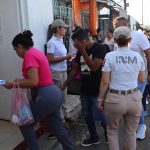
<point x="59" y="78"/>
<point x="129" y="108"/>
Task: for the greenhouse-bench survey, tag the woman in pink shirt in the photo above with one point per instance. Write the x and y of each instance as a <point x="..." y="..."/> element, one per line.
<point x="46" y="97"/>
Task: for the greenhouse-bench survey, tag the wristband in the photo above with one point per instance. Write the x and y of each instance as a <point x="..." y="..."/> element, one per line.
<point x="99" y="99"/>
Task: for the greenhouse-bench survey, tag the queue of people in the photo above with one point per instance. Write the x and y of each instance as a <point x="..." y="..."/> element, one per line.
<point x="112" y="82"/>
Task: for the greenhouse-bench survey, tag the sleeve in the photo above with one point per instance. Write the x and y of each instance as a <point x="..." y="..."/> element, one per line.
<point x="72" y="48"/>
<point x="99" y="51"/>
<point x="107" y="63"/>
<point x="30" y="62"/>
<point x="50" y="47"/>
<point x="143" y="42"/>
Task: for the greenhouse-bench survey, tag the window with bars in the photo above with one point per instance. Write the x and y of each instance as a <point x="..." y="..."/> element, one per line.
<point x="62" y="10"/>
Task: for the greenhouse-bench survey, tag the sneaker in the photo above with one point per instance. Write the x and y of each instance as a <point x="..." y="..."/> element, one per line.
<point x="147" y="102"/>
<point x="51" y="136"/>
<point x="141" y="131"/>
<point x="90" y="141"/>
<point x="69" y="120"/>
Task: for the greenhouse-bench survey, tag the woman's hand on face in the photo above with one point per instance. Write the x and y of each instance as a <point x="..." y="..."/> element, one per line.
<point x="8" y="85"/>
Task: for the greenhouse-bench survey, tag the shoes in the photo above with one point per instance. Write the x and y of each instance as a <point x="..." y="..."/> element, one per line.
<point x="90" y="141"/>
<point x="141" y="132"/>
<point x="51" y="136"/>
<point x="69" y="120"/>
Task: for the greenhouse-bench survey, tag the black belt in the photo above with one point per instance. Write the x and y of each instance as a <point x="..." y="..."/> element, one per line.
<point x="123" y="92"/>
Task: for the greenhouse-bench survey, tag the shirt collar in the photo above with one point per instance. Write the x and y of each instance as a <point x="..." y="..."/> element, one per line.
<point x="123" y="48"/>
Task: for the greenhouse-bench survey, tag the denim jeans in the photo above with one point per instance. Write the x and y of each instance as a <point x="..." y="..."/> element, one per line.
<point x="141" y="87"/>
<point x="91" y="113"/>
<point x="144" y="97"/>
<point x="46" y="104"/>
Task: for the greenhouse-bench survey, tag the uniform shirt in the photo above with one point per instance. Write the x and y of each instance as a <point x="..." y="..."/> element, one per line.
<point x="139" y="43"/>
<point x="34" y="58"/>
<point x="90" y="80"/>
<point x="56" y="47"/>
<point x="72" y="48"/>
<point x="124" y="66"/>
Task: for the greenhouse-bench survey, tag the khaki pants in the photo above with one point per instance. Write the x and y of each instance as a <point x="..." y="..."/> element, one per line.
<point x="129" y="108"/>
<point x="59" y="78"/>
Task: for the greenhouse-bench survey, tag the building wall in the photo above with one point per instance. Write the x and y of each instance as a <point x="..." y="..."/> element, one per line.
<point x="40" y="15"/>
<point x="35" y="15"/>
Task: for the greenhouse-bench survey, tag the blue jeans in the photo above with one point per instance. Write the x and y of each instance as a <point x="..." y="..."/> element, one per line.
<point x="46" y="104"/>
<point x="141" y="87"/>
<point x="144" y="97"/>
<point x="91" y="113"/>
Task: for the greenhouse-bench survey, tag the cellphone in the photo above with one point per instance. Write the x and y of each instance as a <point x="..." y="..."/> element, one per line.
<point x="2" y="82"/>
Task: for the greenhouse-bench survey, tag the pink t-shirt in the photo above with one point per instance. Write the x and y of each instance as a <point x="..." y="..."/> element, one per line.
<point x="34" y="58"/>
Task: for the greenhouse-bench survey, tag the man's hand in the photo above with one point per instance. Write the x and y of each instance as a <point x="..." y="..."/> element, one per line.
<point x="8" y="85"/>
<point x="62" y="87"/>
<point x="79" y="46"/>
<point x="100" y="105"/>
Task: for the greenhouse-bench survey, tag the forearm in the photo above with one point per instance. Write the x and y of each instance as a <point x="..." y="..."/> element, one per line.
<point x="70" y="78"/>
<point x="103" y="89"/>
<point x="88" y="60"/>
<point x="56" y="60"/>
<point x="27" y="83"/>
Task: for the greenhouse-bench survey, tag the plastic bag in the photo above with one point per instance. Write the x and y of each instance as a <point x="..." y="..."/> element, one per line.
<point x="21" y="113"/>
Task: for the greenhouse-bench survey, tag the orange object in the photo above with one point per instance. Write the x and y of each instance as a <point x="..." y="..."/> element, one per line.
<point x="91" y="6"/>
<point x="76" y="11"/>
<point x="93" y="20"/>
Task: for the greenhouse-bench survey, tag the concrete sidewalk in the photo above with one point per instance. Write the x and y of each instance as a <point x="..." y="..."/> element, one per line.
<point x="79" y="131"/>
<point x="10" y="135"/>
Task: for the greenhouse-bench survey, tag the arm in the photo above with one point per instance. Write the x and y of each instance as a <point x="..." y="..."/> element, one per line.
<point x="147" y="53"/>
<point x="141" y="76"/>
<point x="103" y="87"/>
<point x="92" y="64"/>
<point x="74" y="71"/>
<point x="30" y="82"/>
<point x="53" y="60"/>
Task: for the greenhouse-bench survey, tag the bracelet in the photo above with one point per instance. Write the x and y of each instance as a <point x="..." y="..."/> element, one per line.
<point x="100" y="99"/>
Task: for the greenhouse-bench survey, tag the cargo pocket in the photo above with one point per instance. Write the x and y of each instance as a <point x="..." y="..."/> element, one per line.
<point x="137" y="96"/>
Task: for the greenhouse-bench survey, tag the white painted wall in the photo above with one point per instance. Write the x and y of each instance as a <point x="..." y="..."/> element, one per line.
<point x="35" y="15"/>
<point x="9" y="62"/>
<point x="40" y="15"/>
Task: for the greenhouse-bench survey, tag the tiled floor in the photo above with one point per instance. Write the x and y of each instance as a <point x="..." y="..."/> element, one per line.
<point x="10" y="135"/>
